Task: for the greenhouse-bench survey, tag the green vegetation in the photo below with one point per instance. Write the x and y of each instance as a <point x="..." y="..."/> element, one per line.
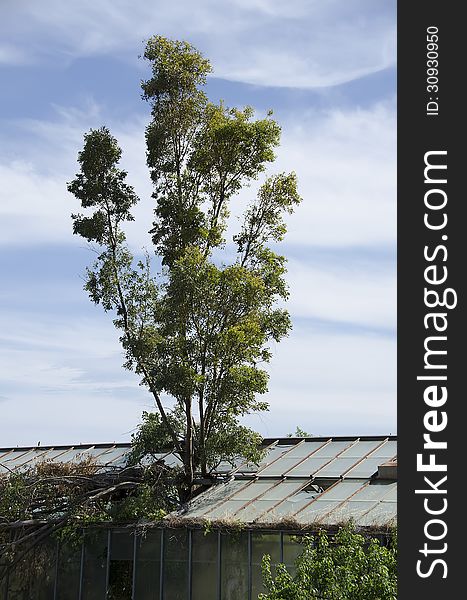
<point x="347" y="566"/>
<point x="198" y="330"/>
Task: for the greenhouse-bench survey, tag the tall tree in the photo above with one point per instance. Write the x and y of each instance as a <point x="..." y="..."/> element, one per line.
<point x="198" y="331"/>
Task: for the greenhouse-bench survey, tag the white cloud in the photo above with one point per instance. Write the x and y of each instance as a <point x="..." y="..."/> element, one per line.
<point x="346" y="166"/>
<point x="353" y="294"/>
<point x="298" y="44"/>
<point x="345" y="161"/>
<point x="62" y="381"/>
<point x="331" y="384"/>
<point x="12" y="55"/>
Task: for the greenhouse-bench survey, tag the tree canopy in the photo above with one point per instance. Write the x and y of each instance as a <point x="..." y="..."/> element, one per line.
<point x="198" y="331"/>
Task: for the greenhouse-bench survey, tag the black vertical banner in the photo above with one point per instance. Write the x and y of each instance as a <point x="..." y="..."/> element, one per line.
<point x="431" y="300"/>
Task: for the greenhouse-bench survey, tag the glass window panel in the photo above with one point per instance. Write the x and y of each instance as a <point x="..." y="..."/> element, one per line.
<point x="316" y="510"/>
<point x="175" y="564"/>
<point x="272" y="454"/>
<point x="172" y="461"/>
<point x="120" y="580"/>
<point x="57" y="455"/>
<point x="115" y="457"/>
<point x="282" y="490"/>
<point x="305" y="449"/>
<point x="35" y="455"/>
<point x="148" y="565"/>
<point x="309" y="466"/>
<point x="253" y="490"/>
<point x="343" y="489"/>
<point x="384" y="513"/>
<point x="69" y="565"/>
<point x="121" y="566"/>
<point x="375" y="491"/>
<point x="234" y="566"/>
<point x="336" y="468"/>
<point x="294" y="456"/>
<point x="353" y="509"/>
<point x="226" y="510"/>
<point x="293" y="547"/>
<point x="95" y="565"/>
<point x="245" y="494"/>
<point x="204" y="566"/>
<point x="34" y="577"/>
<point x="360" y="449"/>
<point x="17" y="459"/>
<point x="333" y="448"/>
<point x="294" y="504"/>
<point x="387" y="450"/>
<point x="2" y="586"/>
<point x="280" y="467"/>
<point x="391" y="495"/>
<point x="211" y="499"/>
<point x="21" y="581"/>
<point x="121" y="547"/>
<point x="268" y="501"/>
<point x="225" y="467"/>
<point x="255" y="510"/>
<point x="367" y="468"/>
<point x="44" y="566"/>
<point x="263" y="543"/>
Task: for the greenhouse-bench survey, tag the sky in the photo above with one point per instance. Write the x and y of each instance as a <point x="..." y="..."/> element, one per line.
<point x="327" y="69"/>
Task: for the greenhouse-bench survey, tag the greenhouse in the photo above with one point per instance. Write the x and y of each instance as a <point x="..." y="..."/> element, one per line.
<point x="212" y="549"/>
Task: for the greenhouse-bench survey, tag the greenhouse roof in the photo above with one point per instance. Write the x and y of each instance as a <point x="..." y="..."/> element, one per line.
<point x="301" y="482"/>
<point x="108" y="456"/>
<point x="313" y="481"/>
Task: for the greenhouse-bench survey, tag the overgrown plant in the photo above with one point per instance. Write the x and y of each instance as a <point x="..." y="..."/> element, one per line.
<point x="197" y="332"/>
<point x="59" y="500"/>
<point x="347" y="566"/>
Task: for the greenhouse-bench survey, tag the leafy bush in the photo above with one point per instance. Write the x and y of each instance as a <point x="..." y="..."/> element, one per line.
<point x="347" y="566"/>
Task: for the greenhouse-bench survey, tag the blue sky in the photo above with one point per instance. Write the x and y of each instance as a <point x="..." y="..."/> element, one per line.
<point x="327" y="69"/>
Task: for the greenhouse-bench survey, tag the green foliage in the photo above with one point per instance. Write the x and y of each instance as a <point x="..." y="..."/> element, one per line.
<point x="300" y="433"/>
<point x="199" y="331"/>
<point x="347" y="566"/>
